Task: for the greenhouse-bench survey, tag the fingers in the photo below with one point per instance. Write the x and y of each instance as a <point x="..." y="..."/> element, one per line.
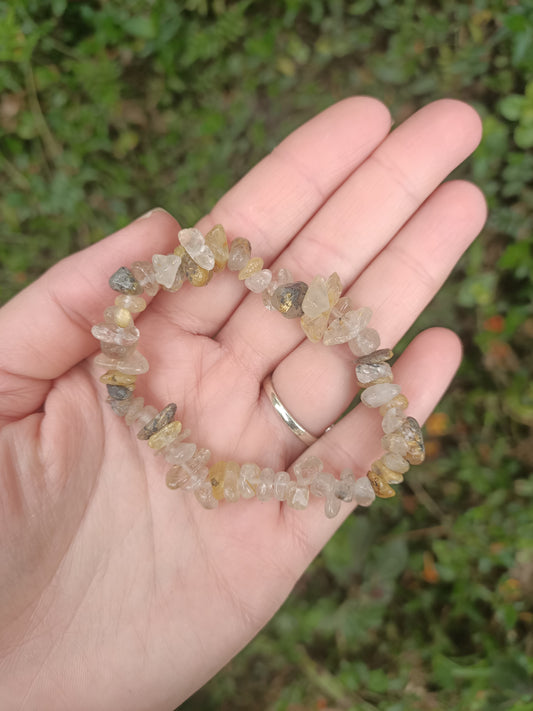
<point x="277" y="197"/>
<point x="316" y="383"/>
<point x="49" y="322"/>
<point x="47" y="325"/>
<point x="425" y="371"/>
<point x="359" y="220"/>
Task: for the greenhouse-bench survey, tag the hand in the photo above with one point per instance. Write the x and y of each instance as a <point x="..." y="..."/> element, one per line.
<point x="116" y="592"/>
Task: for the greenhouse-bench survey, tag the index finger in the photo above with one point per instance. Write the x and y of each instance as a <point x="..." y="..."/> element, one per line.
<point x="275" y="199"/>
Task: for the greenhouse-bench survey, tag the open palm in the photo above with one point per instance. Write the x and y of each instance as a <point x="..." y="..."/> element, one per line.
<point x="116" y="592"/>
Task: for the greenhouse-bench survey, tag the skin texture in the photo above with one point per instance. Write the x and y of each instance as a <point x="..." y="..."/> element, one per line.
<point x="118" y="593"/>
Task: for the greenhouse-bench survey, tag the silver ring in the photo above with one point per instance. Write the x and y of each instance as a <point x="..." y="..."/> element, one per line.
<point x="295" y="427"/>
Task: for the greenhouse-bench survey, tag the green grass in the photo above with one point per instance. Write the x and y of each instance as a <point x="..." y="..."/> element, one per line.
<point x="107" y="109"/>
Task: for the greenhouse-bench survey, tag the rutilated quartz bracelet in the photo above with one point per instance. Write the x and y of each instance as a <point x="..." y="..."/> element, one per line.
<point x="325" y="316"/>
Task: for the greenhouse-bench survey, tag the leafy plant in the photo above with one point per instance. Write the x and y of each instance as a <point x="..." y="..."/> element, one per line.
<point x="107" y="109"/>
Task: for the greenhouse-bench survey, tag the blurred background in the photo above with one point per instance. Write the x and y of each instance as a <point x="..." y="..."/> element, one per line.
<point x="110" y="108"/>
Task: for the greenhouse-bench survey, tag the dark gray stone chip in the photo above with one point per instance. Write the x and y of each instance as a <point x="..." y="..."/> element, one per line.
<point x="288" y="298"/>
<point x="159" y="421"/>
<point x="376" y="357"/>
<point x="119" y="392"/>
<point x="124" y="282"/>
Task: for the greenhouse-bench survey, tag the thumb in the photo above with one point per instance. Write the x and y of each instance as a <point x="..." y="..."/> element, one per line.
<point x="46" y="328"/>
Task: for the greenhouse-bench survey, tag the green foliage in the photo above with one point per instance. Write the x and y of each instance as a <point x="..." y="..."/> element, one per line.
<point x="107" y="109"/>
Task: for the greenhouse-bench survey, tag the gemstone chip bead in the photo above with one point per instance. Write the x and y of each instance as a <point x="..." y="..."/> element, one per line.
<point x="115" y="377"/>
<point x="166" y="267"/>
<point x="178" y="451"/>
<point x="376" y="356"/>
<point x="380" y="486"/>
<point x="365" y="342"/>
<point x="395" y="443"/>
<point x="334" y="287"/>
<point x="231" y="482"/>
<point x="134" y="410"/>
<point x="165" y="416"/>
<point x="147" y="414"/>
<point x="119" y="316"/>
<point x="165" y="435"/>
<point x="124" y="281"/>
<point x="393" y="419"/>
<point x="216" y="475"/>
<point x="395" y="462"/>
<point x="196" y="274"/>
<point x="253" y="266"/>
<point x="217" y="242"/>
<point x="399" y="402"/>
<point x="134" y="304"/>
<point x="144" y="273"/>
<point x="133" y="364"/>
<point x="389" y="475"/>
<point x="363" y="491"/>
<point x="288" y="298"/>
<point x="377" y="395"/>
<point x="116" y="342"/>
<point x="119" y="407"/>
<point x="249" y="477"/>
<point x="332" y="506"/>
<point x="239" y="254"/>
<point x="373" y="373"/>
<point x="265" y="487"/>
<point x="283" y="276"/>
<point x="297" y="496"/>
<point x="119" y="392"/>
<point x="344" y="305"/>
<point x="315" y="327"/>
<point x="316" y="299"/>
<point x="323" y="484"/>
<point x="412" y="434"/>
<point x="194" y="243"/>
<point x="258" y="281"/>
<point x="344" y="328"/>
<point x="344" y="486"/>
<point x="281" y="485"/>
<point x="191" y="474"/>
<point x="204" y="494"/>
<point x="306" y="470"/>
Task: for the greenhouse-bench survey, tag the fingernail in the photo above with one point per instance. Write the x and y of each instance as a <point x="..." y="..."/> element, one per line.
<point x="152" y="211"/>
